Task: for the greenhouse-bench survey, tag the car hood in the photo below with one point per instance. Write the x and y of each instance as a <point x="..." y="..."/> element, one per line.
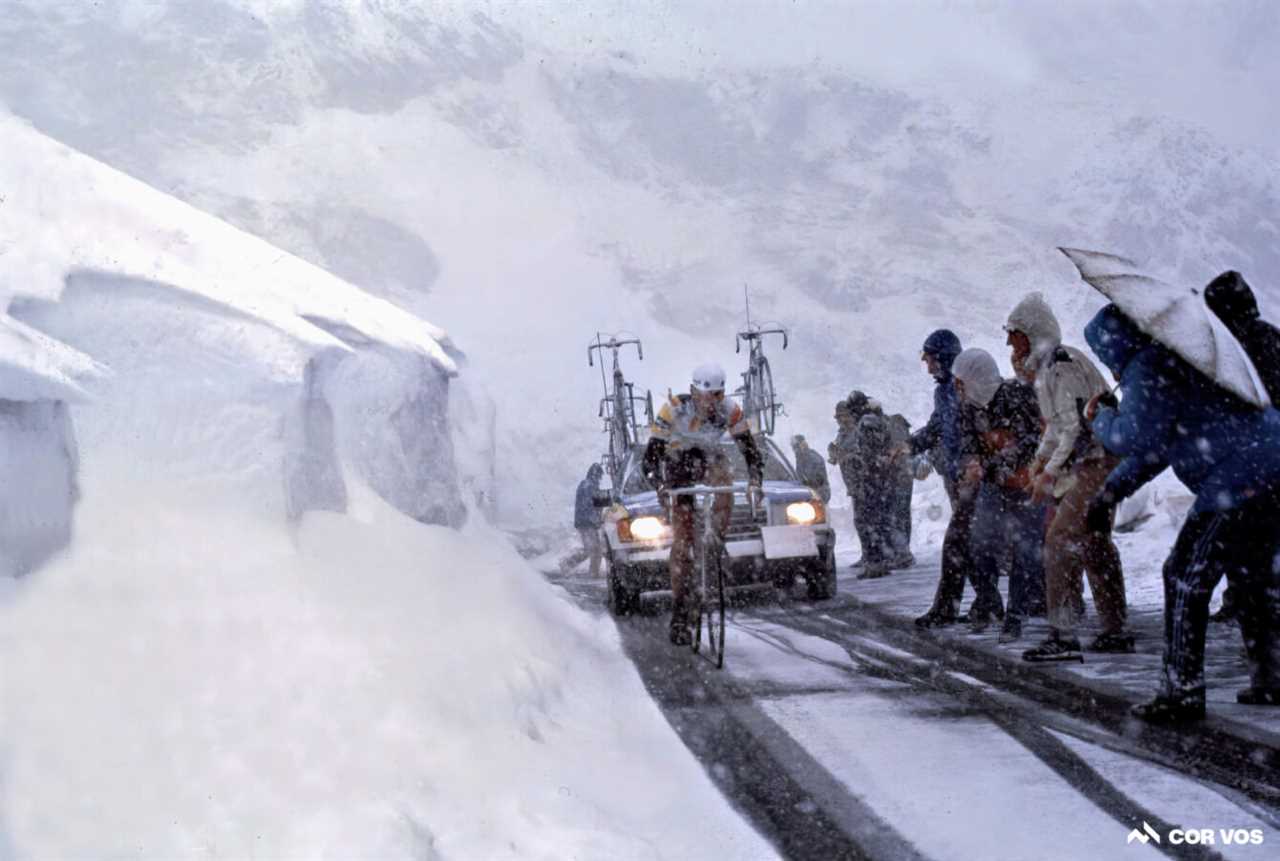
<point x="639" y="504"/>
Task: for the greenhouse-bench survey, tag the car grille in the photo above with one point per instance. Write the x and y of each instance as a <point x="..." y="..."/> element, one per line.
<point x="742" y="525"/>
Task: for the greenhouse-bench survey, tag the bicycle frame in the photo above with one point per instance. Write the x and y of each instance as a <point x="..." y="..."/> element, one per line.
<point x="617" y="408"/>
<point x="759" y="399"/>
<point x="705" y="539"/>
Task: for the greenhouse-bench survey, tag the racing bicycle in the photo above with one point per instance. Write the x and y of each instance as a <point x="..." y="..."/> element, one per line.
<point x="709" y="557"/>
<point x="759" y="400"/>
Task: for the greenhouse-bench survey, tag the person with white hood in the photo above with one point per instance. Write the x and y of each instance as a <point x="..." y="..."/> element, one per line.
<point x="1002" y="431"/>
<point x="1070" y="469"/>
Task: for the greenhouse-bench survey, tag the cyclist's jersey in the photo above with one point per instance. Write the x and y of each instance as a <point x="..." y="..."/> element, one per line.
<point x="683" y="427"/>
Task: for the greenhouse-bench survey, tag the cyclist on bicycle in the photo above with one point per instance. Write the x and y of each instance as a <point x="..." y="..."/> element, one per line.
<point x="684" y="450"/>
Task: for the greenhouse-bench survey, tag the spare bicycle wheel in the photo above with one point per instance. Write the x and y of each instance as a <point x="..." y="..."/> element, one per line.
<point x="765" y="397"/>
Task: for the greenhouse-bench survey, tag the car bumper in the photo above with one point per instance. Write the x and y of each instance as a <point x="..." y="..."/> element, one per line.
<point x="644" y="567"/>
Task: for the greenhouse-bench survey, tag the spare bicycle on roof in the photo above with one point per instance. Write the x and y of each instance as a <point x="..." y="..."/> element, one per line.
<point x="759" y="398"/>
<point x="619" y="407"/>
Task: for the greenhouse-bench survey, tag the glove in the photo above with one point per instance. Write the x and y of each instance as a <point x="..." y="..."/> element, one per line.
<point x="1101" y="513"/>
<point x="755" y="494"/>
<point x="664" y="498"/>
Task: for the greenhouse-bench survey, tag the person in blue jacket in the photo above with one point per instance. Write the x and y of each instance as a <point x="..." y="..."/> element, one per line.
<point x="1225" y="451"/>
<point x="587" y="502"/>
<point x="942" y="439"/>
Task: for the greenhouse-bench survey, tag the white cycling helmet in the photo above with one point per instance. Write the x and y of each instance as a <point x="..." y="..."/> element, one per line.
<point x="708" y="378"/>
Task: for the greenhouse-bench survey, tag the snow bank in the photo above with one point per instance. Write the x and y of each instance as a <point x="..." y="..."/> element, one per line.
<point x="71" y="211"/>
<point x="189" y="681"/>
<point x="245" y="647"/>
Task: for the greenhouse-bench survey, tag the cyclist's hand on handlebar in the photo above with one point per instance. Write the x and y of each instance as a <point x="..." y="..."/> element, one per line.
<point x="755" y="494"/>
<point x="664" y="498"/>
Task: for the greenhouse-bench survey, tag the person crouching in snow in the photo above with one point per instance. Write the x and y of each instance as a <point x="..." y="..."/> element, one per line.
<point x="1227" y="453"/>
<point x="1002" y="425"/>
<point x="1070" y="468"/>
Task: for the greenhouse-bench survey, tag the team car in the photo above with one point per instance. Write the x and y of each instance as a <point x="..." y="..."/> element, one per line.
<point x="788" y="536"/>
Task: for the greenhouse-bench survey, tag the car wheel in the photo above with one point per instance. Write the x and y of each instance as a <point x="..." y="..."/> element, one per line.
<point x="822" y="579"/>
<point x="622" y="600"/>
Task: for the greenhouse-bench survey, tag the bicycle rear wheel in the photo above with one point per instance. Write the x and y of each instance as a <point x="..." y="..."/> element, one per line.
<point x="714" y="610"/>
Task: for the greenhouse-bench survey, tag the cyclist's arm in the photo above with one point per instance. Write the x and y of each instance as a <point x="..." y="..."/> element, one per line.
<point x="654" y="453"/>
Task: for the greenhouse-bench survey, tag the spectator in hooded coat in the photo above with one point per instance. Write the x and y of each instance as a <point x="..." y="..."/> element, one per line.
<point x="587" y="520"/>
<point x="843" y="452"/>
<point x="1002" y="433"/>
<point x="941" y="437"/>
<point x="811" y="469"/>
<point x="1230" y="297"/>
<point x="1228" y="454"/>
<point x="1070" y="468"/>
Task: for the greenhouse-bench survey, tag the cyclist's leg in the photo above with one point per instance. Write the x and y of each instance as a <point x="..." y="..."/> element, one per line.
<point x="720" y="474"/>
<point x="683" y="523"/>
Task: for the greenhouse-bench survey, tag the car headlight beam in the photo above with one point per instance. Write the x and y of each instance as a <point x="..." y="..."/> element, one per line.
<point x="803" y="513"/>
<point x="647" y="528"/>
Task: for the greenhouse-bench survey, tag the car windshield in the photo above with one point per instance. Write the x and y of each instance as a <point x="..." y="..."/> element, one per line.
<point x="775" y="468"/>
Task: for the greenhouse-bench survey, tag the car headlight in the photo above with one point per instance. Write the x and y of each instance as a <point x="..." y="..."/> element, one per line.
<point x="804" y="513"/>
<point x="647" y="528"/>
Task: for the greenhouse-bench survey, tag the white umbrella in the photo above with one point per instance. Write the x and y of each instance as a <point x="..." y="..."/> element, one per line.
<point x="1176" y="317"/>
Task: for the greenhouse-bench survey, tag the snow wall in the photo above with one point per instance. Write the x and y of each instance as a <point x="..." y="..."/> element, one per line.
<point x="272" y="634"/>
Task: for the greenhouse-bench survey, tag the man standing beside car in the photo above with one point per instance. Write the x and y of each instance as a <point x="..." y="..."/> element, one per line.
<point x="811" y="469"/>
<point x="588" y="501"/>
<point x="683" y="451"/>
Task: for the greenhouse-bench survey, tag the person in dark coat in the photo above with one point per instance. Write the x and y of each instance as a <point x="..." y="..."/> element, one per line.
<point x="1230" y="297"/>
<point x="1228" y="454"/>
<point x="1002" y="434"/>
<point x="942" y="437"/>
<point x="587" y="503"/>
<point x="877" y="491"/>
<point x="810" y="468"/>
<point x="843" y="452"/>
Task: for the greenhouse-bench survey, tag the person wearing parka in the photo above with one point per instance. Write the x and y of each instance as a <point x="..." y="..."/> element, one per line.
<point x="1230" y="297"/>
<point x="1070" y="468"/>
<point x="811" y="469"/>
<point x="1002" y="431"/>
<point x="1228" y="454"/>
<point x="587" y="502"/>
<point x="942" y="437"/>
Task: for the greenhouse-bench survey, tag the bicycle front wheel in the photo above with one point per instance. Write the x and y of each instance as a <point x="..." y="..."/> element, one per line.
<point x="766" y="397"/>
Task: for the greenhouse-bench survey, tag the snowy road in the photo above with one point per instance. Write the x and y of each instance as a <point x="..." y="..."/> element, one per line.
<point x="840" y="738"/>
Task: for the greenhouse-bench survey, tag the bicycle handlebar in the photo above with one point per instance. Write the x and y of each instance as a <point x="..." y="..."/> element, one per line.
<point x="758" y="335"/>
<point x="615" y="345"/>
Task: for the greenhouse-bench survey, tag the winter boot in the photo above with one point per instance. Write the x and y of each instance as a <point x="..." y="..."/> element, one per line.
<point x="1118" y="643"/>
<point x="859" y="565"/>
<point x="979" y="622"/>
<point x="874" y="571"/>
<point x="1011" y="629"/>
<point x="1254" y="696"/>
<point x="1225" y="616"/>
<point x="1167" y="710"/>
<point x="902" y="561"/>
<point x="1054" y="649"/>
<point x="681" y="635"/>
<point x="935" y="619"/>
